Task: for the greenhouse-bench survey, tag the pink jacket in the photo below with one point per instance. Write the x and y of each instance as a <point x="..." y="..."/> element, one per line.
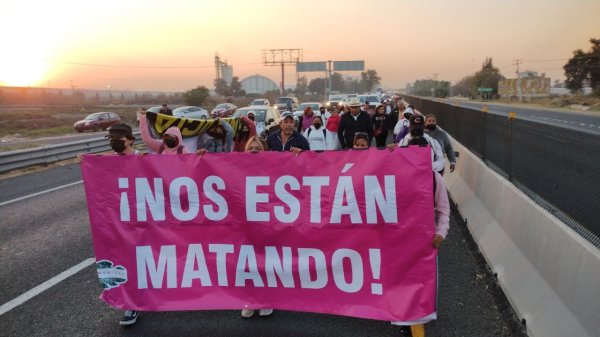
<point x="155" y="144"/>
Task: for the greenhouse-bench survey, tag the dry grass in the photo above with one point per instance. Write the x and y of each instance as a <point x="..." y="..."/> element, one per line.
<point x="51" y="121"/>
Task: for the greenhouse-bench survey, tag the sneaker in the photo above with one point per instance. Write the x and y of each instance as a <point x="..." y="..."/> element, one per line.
<point x="265" y="312"/>
<point x="247" y="313"/>
<point x="129" y="317"/>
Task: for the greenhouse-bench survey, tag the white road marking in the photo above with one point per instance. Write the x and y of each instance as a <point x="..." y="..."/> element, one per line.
<point x="8" y="306"/>
<point x="40" y="193"/>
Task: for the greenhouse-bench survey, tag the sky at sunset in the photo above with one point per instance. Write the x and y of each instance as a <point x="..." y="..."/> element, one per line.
<point x="170" y="45"/>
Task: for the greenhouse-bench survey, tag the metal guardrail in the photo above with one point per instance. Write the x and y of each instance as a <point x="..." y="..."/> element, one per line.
<point x="48" y="154"/>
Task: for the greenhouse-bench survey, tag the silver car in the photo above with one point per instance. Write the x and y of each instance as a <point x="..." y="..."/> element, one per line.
<point x="193" y="112"/>
<point x="265" y="116"/>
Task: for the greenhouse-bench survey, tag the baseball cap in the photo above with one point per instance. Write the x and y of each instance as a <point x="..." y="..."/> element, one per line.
<point x="286" y="115"/>
<point x="417" y="122"/>
<point x="120" y="130"/>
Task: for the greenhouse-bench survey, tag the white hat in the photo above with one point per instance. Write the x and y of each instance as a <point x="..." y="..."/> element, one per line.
<point x="409" y="111"/>
<point x="354" y="101"/>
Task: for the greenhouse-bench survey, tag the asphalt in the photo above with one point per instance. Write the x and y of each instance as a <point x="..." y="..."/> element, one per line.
<point x="49" y="233"/>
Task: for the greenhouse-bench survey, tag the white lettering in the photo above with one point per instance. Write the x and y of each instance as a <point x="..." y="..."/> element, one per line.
<point x="315" y="183"/>
<point x="253" y="198"/>
<point x="221" y="250"/>
<point x="195" y="255"/>
<point x="274" y="265"/>
<point x="247" y="258"/>
<point x="374" y="196"/>
<point x="337" y="265"/>
<point x="222" y="209"/>
<point x="155" y="201"/>
<point x="124" y="207"/>
<point x="166" y="260"/>
<point x="304" y="257"/>
<point x="192" y="197"/>
<point x="287" y="198"/>
<point x="345" y="188"/>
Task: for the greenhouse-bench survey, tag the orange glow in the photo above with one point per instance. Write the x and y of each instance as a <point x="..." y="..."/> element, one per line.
<point x="21" y="72"/>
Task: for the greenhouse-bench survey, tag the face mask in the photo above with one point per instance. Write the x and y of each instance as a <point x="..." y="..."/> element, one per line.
<point x="170" y="142"/>
<point x="117" y="145"/>
<point x="216" y="134"/>
<point x="416" y="132"/>
<point x="430" y="127"/>
<point x="252" y="118"/>
<point x="317" y="125"/>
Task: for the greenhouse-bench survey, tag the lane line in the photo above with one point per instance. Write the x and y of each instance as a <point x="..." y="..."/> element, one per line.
<point x="40" y="193"/>
<point x="8" y="306"/>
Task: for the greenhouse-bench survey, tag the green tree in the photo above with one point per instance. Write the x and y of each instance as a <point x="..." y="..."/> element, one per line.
<point x="236" y="87"/>
<point x="317" y="85"/>
<point x="465" y="87"/>
<point x="488" y="76"/>
<point x="221" y="87"/>
<point x="302" y="86"/>
<point x="369" y="80"/>
<point x="337" y="82"/>
<point x="584" y="68"/>
<point x="196" y="96"/>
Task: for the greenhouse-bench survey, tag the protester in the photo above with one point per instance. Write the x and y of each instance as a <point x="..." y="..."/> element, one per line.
<point x="316" y="135"/>
<point x="416" y="133"/>
<point x="246" y="130"/>
<point x="170" y="142"/>
<point x="438" y="134"/>
<point x="256" y="145"/>
<point x="165" y="110"/>
<point x="217" y="139"/>
<point x="401" y="128"/>
<point x="333" y="121"/>
<point x="355" y="121"/>
<point x="121" y="140"/>
<point x="306" y="119"/>
<point x="287" y="139"/>
<point x="361" y="141"/>
<point x="397" y="111"/>
<point x="324" y="114"/>
<point x="381" y="125"/>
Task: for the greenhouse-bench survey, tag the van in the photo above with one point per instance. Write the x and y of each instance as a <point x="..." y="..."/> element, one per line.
<point x="286" y="104"/>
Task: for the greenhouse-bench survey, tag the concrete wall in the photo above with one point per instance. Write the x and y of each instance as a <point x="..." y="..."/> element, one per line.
<point x="549" y="273"/>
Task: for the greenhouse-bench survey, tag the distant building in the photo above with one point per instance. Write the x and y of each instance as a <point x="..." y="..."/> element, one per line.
<point x="257" y="84"/>
<point x="227" y="72"/>
<point x="527" y="85"/>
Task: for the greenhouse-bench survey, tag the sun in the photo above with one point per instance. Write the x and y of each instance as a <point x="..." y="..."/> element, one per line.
<point x="21" y="72"/>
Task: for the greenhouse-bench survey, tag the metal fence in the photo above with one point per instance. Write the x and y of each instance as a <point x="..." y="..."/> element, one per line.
<point x="558" y="167"/>
<point x="52" y="153"/>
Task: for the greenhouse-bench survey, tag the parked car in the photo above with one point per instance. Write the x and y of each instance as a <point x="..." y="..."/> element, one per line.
<point x="97" y="121"/>
<point x="194" y="112"/>
<point x="155" y="109"/>
<point x="223" y="110"/>
<point x="286" y="104"/>
<point x="265" y="116"/>
<point x="372" y="99"/>
<point x="335" y="100"/>
<point x="260" y="101"/>
<point x="314" y="105"/>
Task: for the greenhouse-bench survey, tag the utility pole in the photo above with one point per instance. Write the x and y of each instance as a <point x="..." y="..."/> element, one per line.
<point x="519" y="91"/>
<point x="435" y="76"/>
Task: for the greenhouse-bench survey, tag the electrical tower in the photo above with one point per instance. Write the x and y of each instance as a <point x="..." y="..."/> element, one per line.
<point x="282" y="57"/>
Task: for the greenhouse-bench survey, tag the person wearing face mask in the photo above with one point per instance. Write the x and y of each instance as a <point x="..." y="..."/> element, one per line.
<point x="171" y="142"/>
<point x="121" y="139"/>
<point x="218" y="138"/>
<point x="316" y="135"/>
<point x="438" y="134"/>
<point x="381" y="125"/>
<point x="417" y="134"/>
<point x="245" y="131"/>
<point x="401" y="128"/>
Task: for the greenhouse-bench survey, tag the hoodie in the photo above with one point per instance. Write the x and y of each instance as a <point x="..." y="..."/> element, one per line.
<point x="240" y="140"/>
<point x="155" y="144"/>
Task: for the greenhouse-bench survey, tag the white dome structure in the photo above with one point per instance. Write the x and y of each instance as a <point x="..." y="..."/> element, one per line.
<point x="257" y="84"/>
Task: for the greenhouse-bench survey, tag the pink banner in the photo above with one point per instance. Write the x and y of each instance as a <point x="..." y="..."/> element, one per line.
<point x="345" y="232"/>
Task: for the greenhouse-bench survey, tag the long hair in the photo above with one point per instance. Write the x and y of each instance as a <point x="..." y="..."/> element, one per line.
<point x="258" y="139"/>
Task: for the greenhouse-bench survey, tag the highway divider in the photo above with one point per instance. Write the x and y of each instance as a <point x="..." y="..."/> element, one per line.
<point x="550" y="274"/>
<point x="48" y="154"/>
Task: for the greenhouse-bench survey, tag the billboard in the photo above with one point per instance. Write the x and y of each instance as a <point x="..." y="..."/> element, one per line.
<point x="348" y="65"/>
<point x="311" y="66"/>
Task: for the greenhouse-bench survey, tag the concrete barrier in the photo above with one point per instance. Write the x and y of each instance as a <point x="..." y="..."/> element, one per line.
<point x="549" y="273"/>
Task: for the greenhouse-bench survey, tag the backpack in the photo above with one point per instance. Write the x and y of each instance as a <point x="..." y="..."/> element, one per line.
<point x="162" y="147"/>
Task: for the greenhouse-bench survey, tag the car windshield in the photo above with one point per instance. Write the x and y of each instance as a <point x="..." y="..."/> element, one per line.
<point x="283" y="100"/>
<point x="258" y="113"/>
<point x="303" y="106"/>
<point x="221" y="106"/>
<point x="336" y="98"/>
<point x="185" y="109"/>
<point x="92" y="117"/>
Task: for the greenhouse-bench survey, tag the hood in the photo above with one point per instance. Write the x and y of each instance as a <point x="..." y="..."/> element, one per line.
<point x="174" y="131"/>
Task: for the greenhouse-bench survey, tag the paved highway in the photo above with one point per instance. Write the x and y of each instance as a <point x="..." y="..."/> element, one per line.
<point x="44" y="231"/>
<point x="586" y="121"/>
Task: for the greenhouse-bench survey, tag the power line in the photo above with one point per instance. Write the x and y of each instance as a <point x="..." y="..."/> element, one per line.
<point x="141" y="67"/>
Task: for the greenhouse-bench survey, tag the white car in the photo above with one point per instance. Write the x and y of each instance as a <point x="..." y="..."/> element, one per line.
<point x="265" y="116"/>
<point x="194" y="112"/>
<point x="372" y="99"/>
<point x="261" y="101"/>
<point x="335" y="100"/>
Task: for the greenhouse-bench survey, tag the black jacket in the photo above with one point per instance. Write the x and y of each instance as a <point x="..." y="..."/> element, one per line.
<point x="296" y="140"/>
<point x="348" y="127"/>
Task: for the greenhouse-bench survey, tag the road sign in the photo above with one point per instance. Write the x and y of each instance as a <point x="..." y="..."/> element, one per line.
<point x="485" y="89"/>
<point x="348" y="65"/>
<point x="311" y="66"/>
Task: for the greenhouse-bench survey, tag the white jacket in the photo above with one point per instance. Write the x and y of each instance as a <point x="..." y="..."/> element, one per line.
<point x="437" y="155"/>
<point x="317" y="139"/>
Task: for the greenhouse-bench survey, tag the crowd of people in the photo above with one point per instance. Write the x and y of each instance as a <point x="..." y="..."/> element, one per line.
<point x="352" y="126"/>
